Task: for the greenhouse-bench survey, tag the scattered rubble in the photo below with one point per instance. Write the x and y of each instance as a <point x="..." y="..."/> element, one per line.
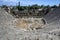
<point x="29" y="23"/>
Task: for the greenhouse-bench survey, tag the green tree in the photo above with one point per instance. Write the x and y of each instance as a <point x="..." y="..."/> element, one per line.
<point x="35" y="6"/>
<point x="20" y="8"/>
<point x="59" y="5"/>
<point x="54" y="6"/>
<point x="41" y="6"/>
<point x="4" y="6"/>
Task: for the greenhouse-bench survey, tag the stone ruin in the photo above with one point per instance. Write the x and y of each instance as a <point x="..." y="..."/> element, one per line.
<point x="51" y="30"/>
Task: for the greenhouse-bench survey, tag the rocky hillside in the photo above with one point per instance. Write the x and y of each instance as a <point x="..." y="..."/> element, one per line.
<point x="14" y="29"/>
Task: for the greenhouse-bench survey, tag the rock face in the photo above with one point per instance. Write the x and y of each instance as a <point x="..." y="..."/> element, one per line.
<point x="5" y="22"/>
<point x="53" y="19"/>
<point x="53" y="23"/>
<point x="53" y="16"/>
<point x="50" y="32"/>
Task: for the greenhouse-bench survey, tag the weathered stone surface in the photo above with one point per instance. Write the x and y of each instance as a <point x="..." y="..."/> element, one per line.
<point x="53" y="16"/>
<point x="29" y="23"/>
